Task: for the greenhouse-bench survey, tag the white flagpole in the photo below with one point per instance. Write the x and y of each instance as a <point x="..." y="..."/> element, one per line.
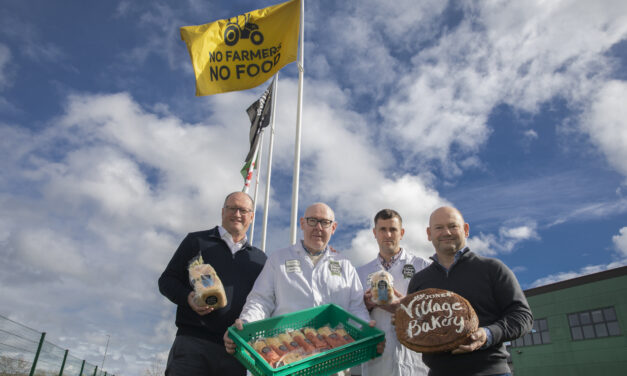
<point x="269" y="171"/>
<point x="257" y="158"/>
<point x="299" y="118"/>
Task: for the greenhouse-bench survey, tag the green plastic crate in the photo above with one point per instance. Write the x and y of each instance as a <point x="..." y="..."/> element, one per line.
<point x="325" y="363"/>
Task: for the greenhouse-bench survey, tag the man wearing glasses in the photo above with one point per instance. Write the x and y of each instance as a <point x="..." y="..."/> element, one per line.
<point x="304" y="275"/>
<point x="198" y="348"/>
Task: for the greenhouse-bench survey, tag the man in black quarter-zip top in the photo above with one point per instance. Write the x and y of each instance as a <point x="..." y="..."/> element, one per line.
<point x="489" y="286"/>
<point x="198" y="349"/>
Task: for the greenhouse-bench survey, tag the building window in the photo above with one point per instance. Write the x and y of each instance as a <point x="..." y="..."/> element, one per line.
<point x="597" y="323"/>
<point x="539" y="335"/>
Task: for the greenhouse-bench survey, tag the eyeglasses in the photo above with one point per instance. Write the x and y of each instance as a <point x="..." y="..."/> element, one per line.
<point x="235" y="209"/>
<point x="313" y="222"/>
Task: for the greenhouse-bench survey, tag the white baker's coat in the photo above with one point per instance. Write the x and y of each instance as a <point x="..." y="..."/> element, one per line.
<point x="397" y="360"/>
<point x="289" y="282"/>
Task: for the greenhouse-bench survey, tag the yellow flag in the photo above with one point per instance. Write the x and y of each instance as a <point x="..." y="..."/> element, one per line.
<point x="243" y="52"/>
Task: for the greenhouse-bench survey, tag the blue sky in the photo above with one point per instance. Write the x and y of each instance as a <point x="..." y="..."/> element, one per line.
<point x="512" y="111"/>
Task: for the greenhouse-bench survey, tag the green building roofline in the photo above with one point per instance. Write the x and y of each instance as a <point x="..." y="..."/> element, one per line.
<point x="600" y="276"/>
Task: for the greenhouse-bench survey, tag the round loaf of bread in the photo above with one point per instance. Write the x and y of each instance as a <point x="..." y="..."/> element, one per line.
<point x="434" y="320"/>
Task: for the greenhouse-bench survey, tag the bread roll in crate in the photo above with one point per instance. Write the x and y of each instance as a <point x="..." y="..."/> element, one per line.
<point x="362" y="348"/>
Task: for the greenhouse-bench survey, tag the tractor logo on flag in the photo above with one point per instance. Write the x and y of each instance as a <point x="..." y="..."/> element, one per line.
<point x="234" y="32"/>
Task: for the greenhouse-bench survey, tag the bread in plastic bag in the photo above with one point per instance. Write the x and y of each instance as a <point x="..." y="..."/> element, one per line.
<point x="207" y="285"/>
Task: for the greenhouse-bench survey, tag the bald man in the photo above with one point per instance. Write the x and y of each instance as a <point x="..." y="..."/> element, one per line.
<point x="489" y="286"/>
<point x="304" y="275"/>
<point x="198" y="348"/>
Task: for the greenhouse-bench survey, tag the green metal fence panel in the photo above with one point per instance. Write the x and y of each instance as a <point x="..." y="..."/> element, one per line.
<point x="89" y="370"/>
<point x="63" y="363"/>
<point x="73" y="366"/>
<point x="24" y="351"/>
<point x="50" y="358"/>
<point x="18" y="347"/>
<point x="39" y="346"/>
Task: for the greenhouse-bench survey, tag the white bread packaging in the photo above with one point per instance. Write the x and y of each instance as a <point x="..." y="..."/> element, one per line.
<point x="207" y="285"/>
<point x="382" y="288"/>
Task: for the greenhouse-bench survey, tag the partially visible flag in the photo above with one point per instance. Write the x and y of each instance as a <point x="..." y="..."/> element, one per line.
<point x="244" y="51"/>
<point x="247" y="173"/>
<point x="247" y="170"/>
<point x="259" y="114"/>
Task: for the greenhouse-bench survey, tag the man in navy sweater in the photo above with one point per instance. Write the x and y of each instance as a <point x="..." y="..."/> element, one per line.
<point x="198" y="348"/>
<point x="489" y="286"/>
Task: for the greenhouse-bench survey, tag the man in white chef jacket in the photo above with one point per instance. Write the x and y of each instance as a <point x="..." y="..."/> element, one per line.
<point x="304" y="275"/>
<point x="397" y="360"/>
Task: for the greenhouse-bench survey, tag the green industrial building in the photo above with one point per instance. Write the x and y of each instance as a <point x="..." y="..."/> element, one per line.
<point x="580" y="328"/>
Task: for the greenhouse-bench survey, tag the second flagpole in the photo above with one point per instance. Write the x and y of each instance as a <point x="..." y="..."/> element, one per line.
<point x="299" y="118"/>
<point x="275" y="83"/>
<point x="257" y="158"/>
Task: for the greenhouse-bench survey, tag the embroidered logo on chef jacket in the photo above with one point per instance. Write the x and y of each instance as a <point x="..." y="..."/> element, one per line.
<point x="408" y="271"/>
<point x="293" y="266"/>
<point x="335" y="268"/>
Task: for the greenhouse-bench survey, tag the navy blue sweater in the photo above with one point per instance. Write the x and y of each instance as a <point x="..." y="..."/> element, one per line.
<point x="237" y="272"/>
<point x="494" y="293"/>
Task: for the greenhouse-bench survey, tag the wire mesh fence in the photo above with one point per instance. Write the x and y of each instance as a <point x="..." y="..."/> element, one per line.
<point x="73" y="367"/>
<point x="24" y="351"/>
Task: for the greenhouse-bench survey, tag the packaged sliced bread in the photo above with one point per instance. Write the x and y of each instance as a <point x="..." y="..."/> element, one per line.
<point x="207" y="285"/>
<point x="382" y="288"/>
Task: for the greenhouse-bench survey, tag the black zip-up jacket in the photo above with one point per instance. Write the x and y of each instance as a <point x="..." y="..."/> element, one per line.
<point x="501" y="306"/>
<point x="237" y="272"/>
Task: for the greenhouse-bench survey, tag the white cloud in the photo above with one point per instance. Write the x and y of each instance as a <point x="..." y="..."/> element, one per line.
<point x="592" y="211"/>
<point x="519" y="269"/>
<point x="429" y="116"/>
<point x="606" y="123"/>
<point x="530" y="134"/>
<point x="562" y="276"/>
<point x="555" y="48"/>
<point x="441" y="107"/>
<point x="363" y="41"/>
<point x="483" y="244"/>
<point x="519" y="233"/>
<point x="505" y="242"/>
<point x="42" y="249"/>
<point x="620" y="241"/>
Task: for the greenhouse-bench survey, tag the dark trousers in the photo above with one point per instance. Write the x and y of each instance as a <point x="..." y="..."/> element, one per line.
<point x="191" y="356"/>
